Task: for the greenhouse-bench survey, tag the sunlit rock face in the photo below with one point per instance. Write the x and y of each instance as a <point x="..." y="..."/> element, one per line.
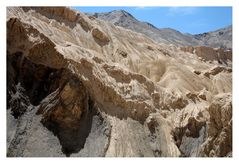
<point x="79" y="86"/>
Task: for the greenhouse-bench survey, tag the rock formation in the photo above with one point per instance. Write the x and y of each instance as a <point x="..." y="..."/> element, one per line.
<point x="83" y="87"/>
<point x="210" y="54"/>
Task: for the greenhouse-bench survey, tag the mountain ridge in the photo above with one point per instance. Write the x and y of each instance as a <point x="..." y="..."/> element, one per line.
<point x="167" y="35"/>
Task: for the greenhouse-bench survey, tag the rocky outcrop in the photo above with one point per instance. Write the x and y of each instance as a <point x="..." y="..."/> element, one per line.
<point x="61" y="14"/>
<point x="189" y="137"/>
<point x="210" y="54"/>
<point x="68" y="112"/>
<point x="31" y="42"/>
<point x="121" y="52"/>
<point x="84" y="87"/>
<point x="216" y="70"/>
<point x="99" y="36"/>
<point x="219" y="134"/>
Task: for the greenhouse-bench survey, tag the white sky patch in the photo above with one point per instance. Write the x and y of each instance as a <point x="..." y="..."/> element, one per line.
<point x="182" y="10"/>
<point x="144" y="8"/>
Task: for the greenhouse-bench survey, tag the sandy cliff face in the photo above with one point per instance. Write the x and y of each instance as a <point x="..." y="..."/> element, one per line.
<point x="79" y="86"/>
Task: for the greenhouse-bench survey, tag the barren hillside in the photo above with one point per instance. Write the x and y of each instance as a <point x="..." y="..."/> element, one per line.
<point x="79" y="86"/>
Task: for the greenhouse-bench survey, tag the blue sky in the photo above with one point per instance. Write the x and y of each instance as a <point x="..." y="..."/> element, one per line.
<point x="191" y="20"/>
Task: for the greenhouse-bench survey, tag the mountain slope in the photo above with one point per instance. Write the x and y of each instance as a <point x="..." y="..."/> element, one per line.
<point x="220" y="38"/>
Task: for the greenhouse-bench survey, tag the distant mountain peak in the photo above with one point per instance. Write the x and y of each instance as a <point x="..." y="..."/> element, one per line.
<point x="123" y="12"/>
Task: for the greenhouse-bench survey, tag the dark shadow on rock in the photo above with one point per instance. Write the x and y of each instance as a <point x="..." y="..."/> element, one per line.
<point x="101" y="43"/>
<point x="72" y="139"/>
<point x="28" y="83"/>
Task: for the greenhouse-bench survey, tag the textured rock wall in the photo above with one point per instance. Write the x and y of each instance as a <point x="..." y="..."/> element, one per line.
<point x="208" y="53"/>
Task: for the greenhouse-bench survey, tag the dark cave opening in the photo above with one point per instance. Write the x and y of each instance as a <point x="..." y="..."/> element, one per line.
<point x="72" y="139"/>
<point x="71" y="118"/>
<point x="35" y="81"/>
